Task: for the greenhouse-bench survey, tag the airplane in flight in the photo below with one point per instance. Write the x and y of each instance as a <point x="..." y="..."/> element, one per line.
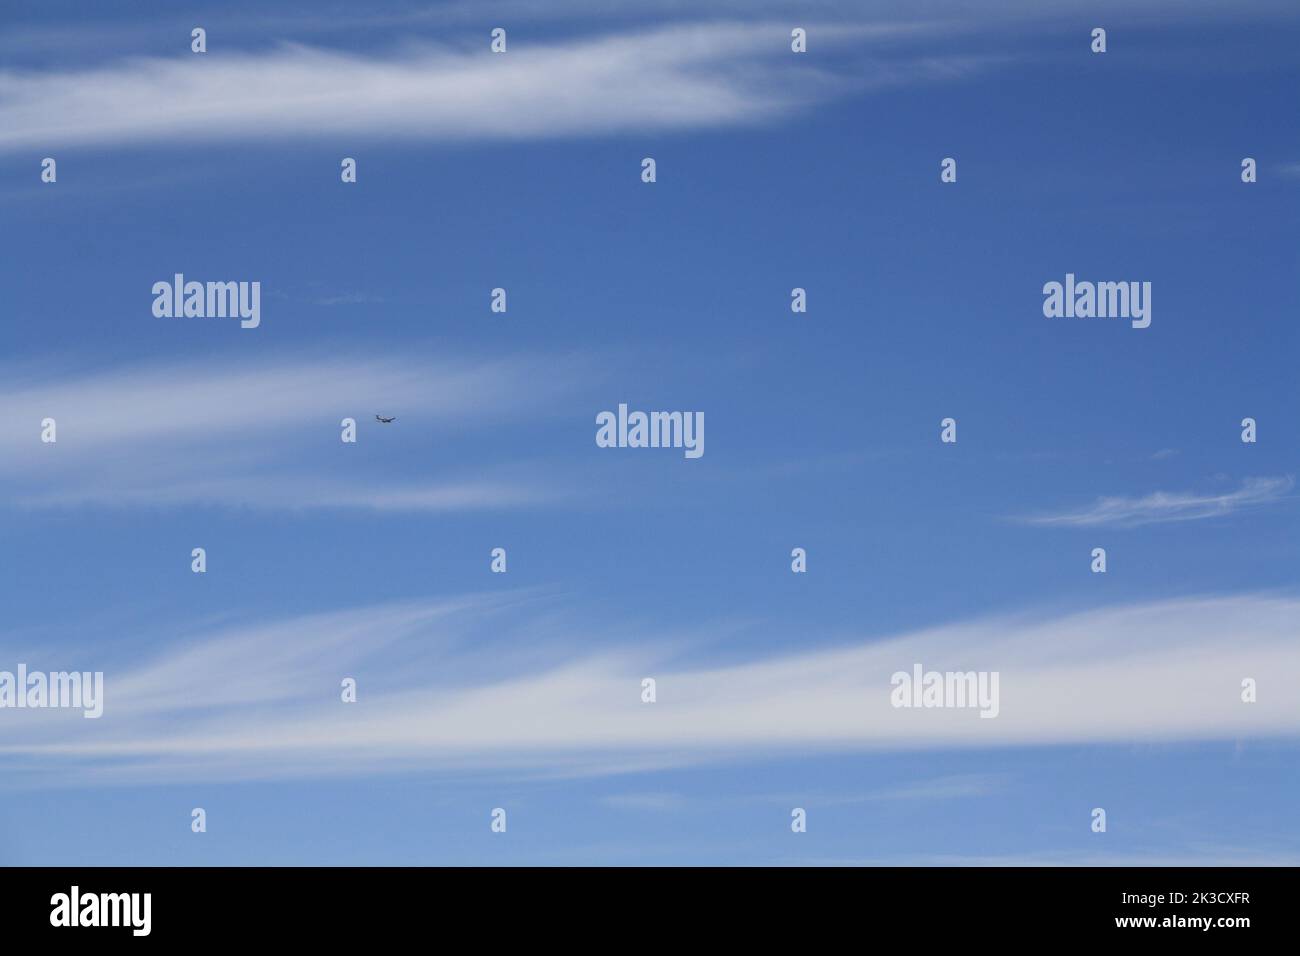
<point x="386" y="421"/>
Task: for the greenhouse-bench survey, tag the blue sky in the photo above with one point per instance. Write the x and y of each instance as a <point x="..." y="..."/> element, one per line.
<point x="522" y="691"/>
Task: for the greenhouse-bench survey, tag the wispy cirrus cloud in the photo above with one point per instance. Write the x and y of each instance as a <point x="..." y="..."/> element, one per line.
<point x="89" y="33"/>
<point x="943" y="788"/>
<point x="649" y="802"/>
<point x="435" y="692"/>
<point x="685" y="68"/>
<point x="1165" y="506"/>
<point x="677" y="76"/>
<point x="266" y="434"/>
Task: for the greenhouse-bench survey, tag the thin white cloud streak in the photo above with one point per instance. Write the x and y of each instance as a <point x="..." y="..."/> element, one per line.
<point x="88" y="36"/>
<point x="671" y="77"/>
<point x="301" y="492"/>
<point x="648" y="802"/>
<point x="681" y="74"/>
<point x="266" y="434"/>
<point x="952" y="787"/>
<point x="436" y="693"/>
<point x="164" y="402"/>
<point x="943" y="788"/>
<point x="1164" y="506"/>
